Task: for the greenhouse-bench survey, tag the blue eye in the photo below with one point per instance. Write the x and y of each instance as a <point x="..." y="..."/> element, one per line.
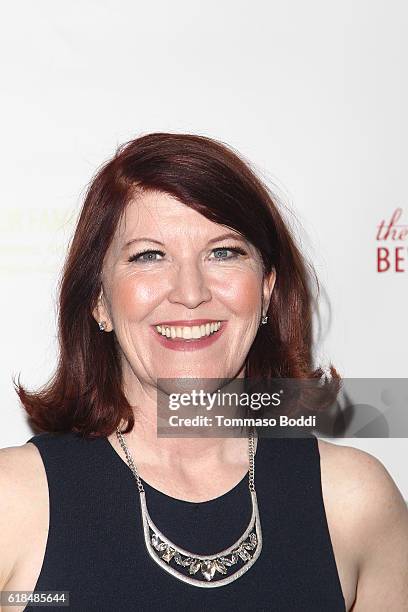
<point x="222" y="251"/>
<point x="149" y="256"/>
<point x="145" y="256"/>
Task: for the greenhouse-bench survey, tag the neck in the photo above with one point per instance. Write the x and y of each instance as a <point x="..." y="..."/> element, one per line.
<point x="152" y="441"/>
<point x="148" y="448"/>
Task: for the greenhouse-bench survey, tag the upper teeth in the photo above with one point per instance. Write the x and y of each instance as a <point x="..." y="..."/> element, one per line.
<point x="186" y="332"/>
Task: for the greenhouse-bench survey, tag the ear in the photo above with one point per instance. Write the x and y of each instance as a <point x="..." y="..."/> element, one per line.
<point x="100" y="312"/>
<point x="268" y="285"/>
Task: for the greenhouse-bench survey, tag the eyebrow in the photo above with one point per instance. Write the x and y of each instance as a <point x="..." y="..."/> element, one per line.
<point x="216" y="239"/>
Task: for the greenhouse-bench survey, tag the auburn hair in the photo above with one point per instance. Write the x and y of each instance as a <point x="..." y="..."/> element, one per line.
<point x="85" y="393"/>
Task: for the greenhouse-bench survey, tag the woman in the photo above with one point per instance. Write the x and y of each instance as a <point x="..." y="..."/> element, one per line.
<point x="182" y="266"/>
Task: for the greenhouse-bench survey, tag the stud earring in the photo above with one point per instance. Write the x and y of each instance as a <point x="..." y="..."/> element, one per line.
<point x="264" y="319"/>
<point x="102" y="325"/>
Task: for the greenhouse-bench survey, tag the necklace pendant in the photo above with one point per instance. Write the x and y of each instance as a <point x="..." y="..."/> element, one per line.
<point x="204" y="570"/>
<point x="208" y="569"/>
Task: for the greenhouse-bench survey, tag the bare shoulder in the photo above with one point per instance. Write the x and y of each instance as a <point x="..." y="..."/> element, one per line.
<point x="20" y="466"/>
<point x="23" y="487"/>
<point x="18" y="456"/>
<point x="359" y="475"/>
<point x="361" y="483"/>
<point x="371" y="516"/>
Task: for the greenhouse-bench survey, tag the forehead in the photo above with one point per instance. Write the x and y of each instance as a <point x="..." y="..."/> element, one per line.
<point x="156" y="214"/>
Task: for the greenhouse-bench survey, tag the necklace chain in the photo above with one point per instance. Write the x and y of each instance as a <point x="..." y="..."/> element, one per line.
<point x="129" y="459"/>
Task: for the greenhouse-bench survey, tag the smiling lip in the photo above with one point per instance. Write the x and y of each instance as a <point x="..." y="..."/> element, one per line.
<point x="180" y="344"/>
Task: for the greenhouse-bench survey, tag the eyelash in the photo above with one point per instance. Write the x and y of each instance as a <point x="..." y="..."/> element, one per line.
<point x="237" y="250"/>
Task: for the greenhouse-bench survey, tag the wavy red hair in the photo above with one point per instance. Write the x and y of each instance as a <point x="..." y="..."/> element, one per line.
<point x="85" y="393"/>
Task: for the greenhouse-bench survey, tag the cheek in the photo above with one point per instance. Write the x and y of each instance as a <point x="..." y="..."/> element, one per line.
<point x="134" y="299"/>
<point x="241" y="292"/>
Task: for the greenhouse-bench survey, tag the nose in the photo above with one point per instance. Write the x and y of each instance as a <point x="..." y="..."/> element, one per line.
<point x="190" y="286"/>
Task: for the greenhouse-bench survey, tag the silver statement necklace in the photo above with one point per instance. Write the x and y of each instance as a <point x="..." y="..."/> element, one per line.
<point x="202" y="570"/>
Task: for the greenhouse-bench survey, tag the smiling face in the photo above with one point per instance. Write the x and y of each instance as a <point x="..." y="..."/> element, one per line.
<point x="184" y="295"/>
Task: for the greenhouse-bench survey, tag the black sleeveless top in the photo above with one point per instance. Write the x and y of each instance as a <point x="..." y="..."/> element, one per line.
<point x="96" y="549"/>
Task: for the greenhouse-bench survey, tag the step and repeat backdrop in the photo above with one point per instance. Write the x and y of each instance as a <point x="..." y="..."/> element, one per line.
<point x="313" y="94"/>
